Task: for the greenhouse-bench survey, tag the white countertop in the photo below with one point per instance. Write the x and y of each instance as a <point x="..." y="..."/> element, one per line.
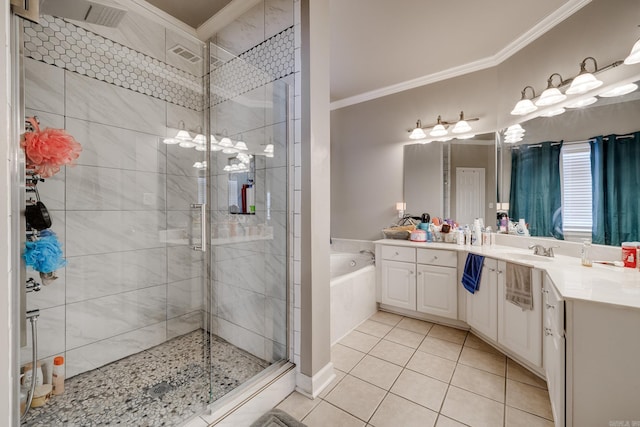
<point x="599" y="284"/>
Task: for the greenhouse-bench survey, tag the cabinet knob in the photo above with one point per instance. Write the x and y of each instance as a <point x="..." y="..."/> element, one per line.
<point x="397" y="253"/>
<point x="544" y="291"/>
<point x="549" y="306"/>
<point x="547" y="332"/>
<point x="420" y="273"/>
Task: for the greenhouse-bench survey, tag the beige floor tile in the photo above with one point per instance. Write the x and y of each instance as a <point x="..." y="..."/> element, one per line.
<point x="386" y="318"/>
<point x="394" y="411"/>
<point x="517" y="372"/>
<point x="518" y="418"/>
<point x="377" y="372"/>
<point x="420" y="389"/>
<point x="529" y="398"/>
<point x="442" y="348"/>
<point x="480" y="382"/>
<point x="339" y="376"/>
<point x="477" y="343"/>
<point x="345" y="358"/>
<point x="472" y="409"/>
<point x="297" y="405"/>
<point x="431" y="365"/>
<point x="483" y="360"/>
<point x="405" y="337"/>
<point x="376" y="329"/>
<point x="360" y="341"/>
<point x="448" y="334"/>
<point x="326" y="414"/>
<point x="447" y="422"/>
<point x="392" y="352"/>
<point x="415" y="325"/>
<point x="357" y="397"/>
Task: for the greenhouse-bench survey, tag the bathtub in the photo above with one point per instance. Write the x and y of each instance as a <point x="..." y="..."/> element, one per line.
<point x="353" y="292"/>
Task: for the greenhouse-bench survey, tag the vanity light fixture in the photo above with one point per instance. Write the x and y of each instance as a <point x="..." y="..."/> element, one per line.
<point x="584" y="81"/>
<point x="401" y="207"/>
<point x="551" y="94"/>
<point x="438" y="129"/>
<point x="182" y="134"/>
<point x="583" y="102"/>
<point x="226" y="142"/>
<point x="461" y="126"/>
<point x="634" y="56"/>
<point x="619" y="90"/>
<point x="525" y="105"/>
<point x="467" y="136"/>
<point x="417" y="132"/>
<point x="555" y="112"/>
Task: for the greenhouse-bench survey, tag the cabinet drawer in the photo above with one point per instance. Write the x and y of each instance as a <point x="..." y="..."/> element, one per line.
<point x="442" y="258"/>
<point x="397" y="253"/>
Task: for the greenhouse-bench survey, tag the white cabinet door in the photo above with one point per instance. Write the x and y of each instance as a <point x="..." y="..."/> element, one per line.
<point x="521" y="330"/>
<point x="399" y="284"/>
<point x="437" y="291"/>
<point x="554" y="350"/>
<point x="482" y="306"/>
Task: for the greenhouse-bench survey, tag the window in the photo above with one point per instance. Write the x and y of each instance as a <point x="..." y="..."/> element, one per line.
<point x="576" y="191"/>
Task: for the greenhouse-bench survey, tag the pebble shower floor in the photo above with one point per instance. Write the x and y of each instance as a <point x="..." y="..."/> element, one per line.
<point x="161" y="386"/>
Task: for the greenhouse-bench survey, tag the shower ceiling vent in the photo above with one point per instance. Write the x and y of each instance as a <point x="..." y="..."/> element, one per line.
<point x="185" y="54"/>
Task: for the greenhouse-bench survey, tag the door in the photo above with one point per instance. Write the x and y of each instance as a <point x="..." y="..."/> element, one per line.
<point x="482" y="306"/>
<point x="399" y="284"/>
<point x="469" y="194"/>
<point x="436" y="290"/>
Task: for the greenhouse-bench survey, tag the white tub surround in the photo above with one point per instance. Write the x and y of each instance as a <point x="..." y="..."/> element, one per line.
<point x="581" y="334"/>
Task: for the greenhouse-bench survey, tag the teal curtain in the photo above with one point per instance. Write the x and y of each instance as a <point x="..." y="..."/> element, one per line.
<point x="535" y="188"/>
<point x="615" y="181"/>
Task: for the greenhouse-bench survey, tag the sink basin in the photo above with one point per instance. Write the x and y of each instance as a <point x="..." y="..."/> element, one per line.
<point x="528" y="257"/>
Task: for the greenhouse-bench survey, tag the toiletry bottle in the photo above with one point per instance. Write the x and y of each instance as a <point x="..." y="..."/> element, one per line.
<point x="57" y="377"/>
<point x="467" y="235"/>
<point x="586" y="253"/>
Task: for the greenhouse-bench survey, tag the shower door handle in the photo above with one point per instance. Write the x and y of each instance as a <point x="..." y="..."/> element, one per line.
<point x="203" y="229"/>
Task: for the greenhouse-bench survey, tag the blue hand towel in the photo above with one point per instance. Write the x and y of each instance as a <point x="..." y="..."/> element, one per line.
<point x="472" y="272"/>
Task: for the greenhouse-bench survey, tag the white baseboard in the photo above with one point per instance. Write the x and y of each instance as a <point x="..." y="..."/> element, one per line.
<point x="311" y="387"/>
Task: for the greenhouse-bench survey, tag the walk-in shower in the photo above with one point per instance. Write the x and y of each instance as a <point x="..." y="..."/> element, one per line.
<point x="173" y="220"/>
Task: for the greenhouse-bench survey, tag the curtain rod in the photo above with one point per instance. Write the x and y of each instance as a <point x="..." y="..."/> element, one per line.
<point x="516" y="147"/>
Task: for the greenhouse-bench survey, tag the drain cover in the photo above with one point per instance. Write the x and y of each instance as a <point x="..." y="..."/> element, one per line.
<point x="159" y="389"/>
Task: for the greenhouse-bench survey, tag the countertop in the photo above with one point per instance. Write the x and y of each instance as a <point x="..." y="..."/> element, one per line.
<point x="599" y="284"/>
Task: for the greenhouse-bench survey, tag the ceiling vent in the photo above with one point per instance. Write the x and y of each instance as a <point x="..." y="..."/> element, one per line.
<point x="185" y="54"/>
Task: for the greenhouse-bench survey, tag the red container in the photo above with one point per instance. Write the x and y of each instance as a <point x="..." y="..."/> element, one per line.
<point x="629" y="254"/>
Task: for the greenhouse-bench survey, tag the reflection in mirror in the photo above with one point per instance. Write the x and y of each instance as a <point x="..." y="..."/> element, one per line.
<point x="577" y="175"/>
<point x="454" y="179"/>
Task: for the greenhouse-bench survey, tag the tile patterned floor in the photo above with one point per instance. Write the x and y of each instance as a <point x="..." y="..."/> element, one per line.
<point x="122" y="392"/>
<point x="395" y="371"/>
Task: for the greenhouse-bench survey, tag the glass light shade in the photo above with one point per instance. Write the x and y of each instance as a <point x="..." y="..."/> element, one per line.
<point x="187" y="144"/>
<point x="583" y="102"/>
<point x="550" y="96"/>
<point x="229" y="150"/>
<point x="467" y="136"/>
<point x="634" y="56"/>
<point x="445" y="139"/>
<point x="213" y="139"/>
<point x="183" y="135"/>
<point x="417" y="133"/>
<point x="226" y="142"/>
<point x="524" y="106"/>
<point x="170" y="141"/>
<point x="200" y="139"/>
<point x="201" y="147"/>
<point x="555" y="112"/>
<point x="227" y="168"/>
<point x="512" y="139"/>
<point x="270" y="155"/>
<point x="426" y="142"/>
<point x="268" y="148"/>
<point x="216" y="147"/>
<point x="514" y="130"/>
<point x="461" y="127"/>
<point x="619" y="90"/>
<point x="438" y="130"/>
<point x="240" y="145"/>
<point x="583" y="83"/>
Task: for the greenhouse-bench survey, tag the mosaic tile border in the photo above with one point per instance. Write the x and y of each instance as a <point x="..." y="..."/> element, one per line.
<point x="60" y="43"/>
<point x="267" y="62"/>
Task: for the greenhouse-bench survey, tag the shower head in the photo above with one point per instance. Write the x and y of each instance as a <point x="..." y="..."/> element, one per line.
<point x="92" y="12"/>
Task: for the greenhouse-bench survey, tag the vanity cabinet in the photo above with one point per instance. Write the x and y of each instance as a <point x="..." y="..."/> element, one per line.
<point x="521" y="330"/>
<point x="482" y="306"/>
<point x="554" y="349"/>
<point x="423" y="280"/>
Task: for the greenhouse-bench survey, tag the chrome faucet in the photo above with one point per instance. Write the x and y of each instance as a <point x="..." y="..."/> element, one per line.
<point x="542" y="251"/>
<point x="373" y="255"/>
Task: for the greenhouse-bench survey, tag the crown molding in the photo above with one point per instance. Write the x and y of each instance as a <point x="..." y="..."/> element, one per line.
<point x="224" y="17"/>
<point x="559" y="15"/>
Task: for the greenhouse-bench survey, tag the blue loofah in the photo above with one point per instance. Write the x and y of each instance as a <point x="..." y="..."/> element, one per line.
<point x="45" y="254"/>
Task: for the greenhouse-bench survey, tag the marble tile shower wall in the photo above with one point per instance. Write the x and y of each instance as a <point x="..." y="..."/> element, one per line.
<point x="250" y="279"/>
<point x="126" y="286"/>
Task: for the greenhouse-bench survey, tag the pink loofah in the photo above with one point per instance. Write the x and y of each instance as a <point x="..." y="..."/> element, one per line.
<point x="49" y="149"/>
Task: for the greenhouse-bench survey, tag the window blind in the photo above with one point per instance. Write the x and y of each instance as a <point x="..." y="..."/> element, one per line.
<point x="576" y="188"/>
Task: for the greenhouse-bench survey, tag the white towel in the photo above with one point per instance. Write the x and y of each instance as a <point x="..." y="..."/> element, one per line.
<point x="519" y="286"/>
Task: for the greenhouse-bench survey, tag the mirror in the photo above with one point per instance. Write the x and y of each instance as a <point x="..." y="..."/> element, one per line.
<point x="454" y="179"/>
<point x="614" y="115"/>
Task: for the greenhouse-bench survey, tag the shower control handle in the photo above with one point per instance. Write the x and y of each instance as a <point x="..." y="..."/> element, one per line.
<point x="32" y="285"/>
<point x="203" y="229"/>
